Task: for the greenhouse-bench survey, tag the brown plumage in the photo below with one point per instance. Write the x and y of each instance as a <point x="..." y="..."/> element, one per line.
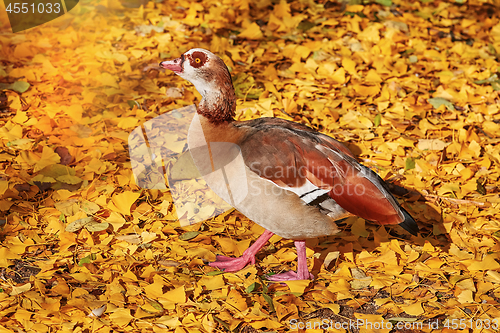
<point x="296" y="182"/>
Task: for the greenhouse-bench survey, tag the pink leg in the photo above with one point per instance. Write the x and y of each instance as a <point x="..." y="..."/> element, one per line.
<point x="302" y="270"/>
<point x="229" y="264"/>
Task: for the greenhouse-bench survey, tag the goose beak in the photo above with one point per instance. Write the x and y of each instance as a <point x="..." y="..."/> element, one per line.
<point x="174" y="65"/>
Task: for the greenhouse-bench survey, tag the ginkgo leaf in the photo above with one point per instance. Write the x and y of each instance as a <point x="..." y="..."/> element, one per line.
<point x="251" y="32"/>
<point x="95" y="226"/>
<point x="297" y="286"/>
<point x="177" y="295"/>
<point x="49" y="157"/>
<point x="122" y="202"/>
<point x="69" y="179"/>
<point x="16" y="290"/>
<point x="78" y="224"/>
<point x="20" y="86"/>
<point x="236" y="300"/>
<point x="438" y="101"/>
<point x="121" y="317"/>
<point x="414" y="309"/>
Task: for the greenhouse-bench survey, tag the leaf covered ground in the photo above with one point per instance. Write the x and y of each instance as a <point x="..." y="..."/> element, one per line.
<point x="410" y="86"/>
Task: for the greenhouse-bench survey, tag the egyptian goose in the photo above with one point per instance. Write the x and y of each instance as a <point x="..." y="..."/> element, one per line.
<point x="295" y="182"/>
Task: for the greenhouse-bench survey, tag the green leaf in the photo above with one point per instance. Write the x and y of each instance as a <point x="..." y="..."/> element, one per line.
<point x="245" y="86"/>
<point x="18" y="142"/>
<point x="305" y="25"/>
<point x="86" y="260"/>
<point x="480" y="187"/>
<point x="156" y="305"/>
<point x="96" y="226"/>
<point x="377" y="120"/>
<point x="413" y="59"/>
<point x="68" y="179"/>
<point x="409" y="163"/>
<point x="408" y="52"/>
<point x="214" y="273"/>
<point x="495" y="85"/>
<point x="20" y="86"/>
<point x="422" y="14"/>
<point x="438" y="101"/>
<point x="223" y="323"/>
<point x="189" y="235"/>
<point x="491" y="79"/>
<point x="269" y="301"/>
<point x="384" y="2"/>
<point x="132" y="103"/>
<point x="252" y="287"/>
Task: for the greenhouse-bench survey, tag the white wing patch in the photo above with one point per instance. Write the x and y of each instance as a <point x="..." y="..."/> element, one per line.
<point x="307" y="192"/>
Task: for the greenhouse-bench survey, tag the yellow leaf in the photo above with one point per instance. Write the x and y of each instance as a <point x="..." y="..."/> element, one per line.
<point x="297" y="286"/>
<point x="431" y="144"/>
<point x="349" y="65"/>
<point x="128" y="122"/>
<point x="20" y="289"/>
<point x="212" y="282"/>
<point x="148" y="237"/>
<point x="251" y="32"/>
<point x="373" y="77"/>
<point x="371" y="33"/>
<point x="4" y="185"/>
<point x="267" y="323"/>
<point x="121" y="317"/>
<point x="122" y="202"/>
<point x="107" y="79"/>
<point x="177" y="295"/>
<point x="116" y="220"/>
<point x="466" y="284"/>
<point x="414" y="309"/>
<point x="339" y="76"/>
<point x="465" y="297"/>
<point x="488" y="263"/>
<point x="365" y="90"/>
<point x="5" y="255"/>
<point x="354" y="8"/>
<point x="155" y="289"/>
<point x="227" y="245"/>
<point x="235" y="299"/>
<point x="20" y="117"/>
<point x="428" y="247"/>
<point x="75" y="111"/>
<point x="358" y="228"/>
<point x="129" y="275"/>
<point x="493" y="276"/>
<point x="49" y="157"/>
<point x="275" y="24"/>
<point x="16" y="246"/>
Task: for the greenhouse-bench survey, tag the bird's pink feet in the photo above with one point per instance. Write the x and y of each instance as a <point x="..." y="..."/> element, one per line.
<point x="228" y="264"/>
<point x="290" y="276"/>
<point x="302" y="270"/>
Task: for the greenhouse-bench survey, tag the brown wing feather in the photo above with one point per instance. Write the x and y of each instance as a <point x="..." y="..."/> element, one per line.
<point x="288" y="154"/>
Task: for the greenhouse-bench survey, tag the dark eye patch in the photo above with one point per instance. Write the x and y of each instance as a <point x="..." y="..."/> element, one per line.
<point x="197" y="59"/>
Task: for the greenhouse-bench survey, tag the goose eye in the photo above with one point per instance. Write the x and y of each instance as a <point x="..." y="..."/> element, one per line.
<point x="197" y="60"/>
